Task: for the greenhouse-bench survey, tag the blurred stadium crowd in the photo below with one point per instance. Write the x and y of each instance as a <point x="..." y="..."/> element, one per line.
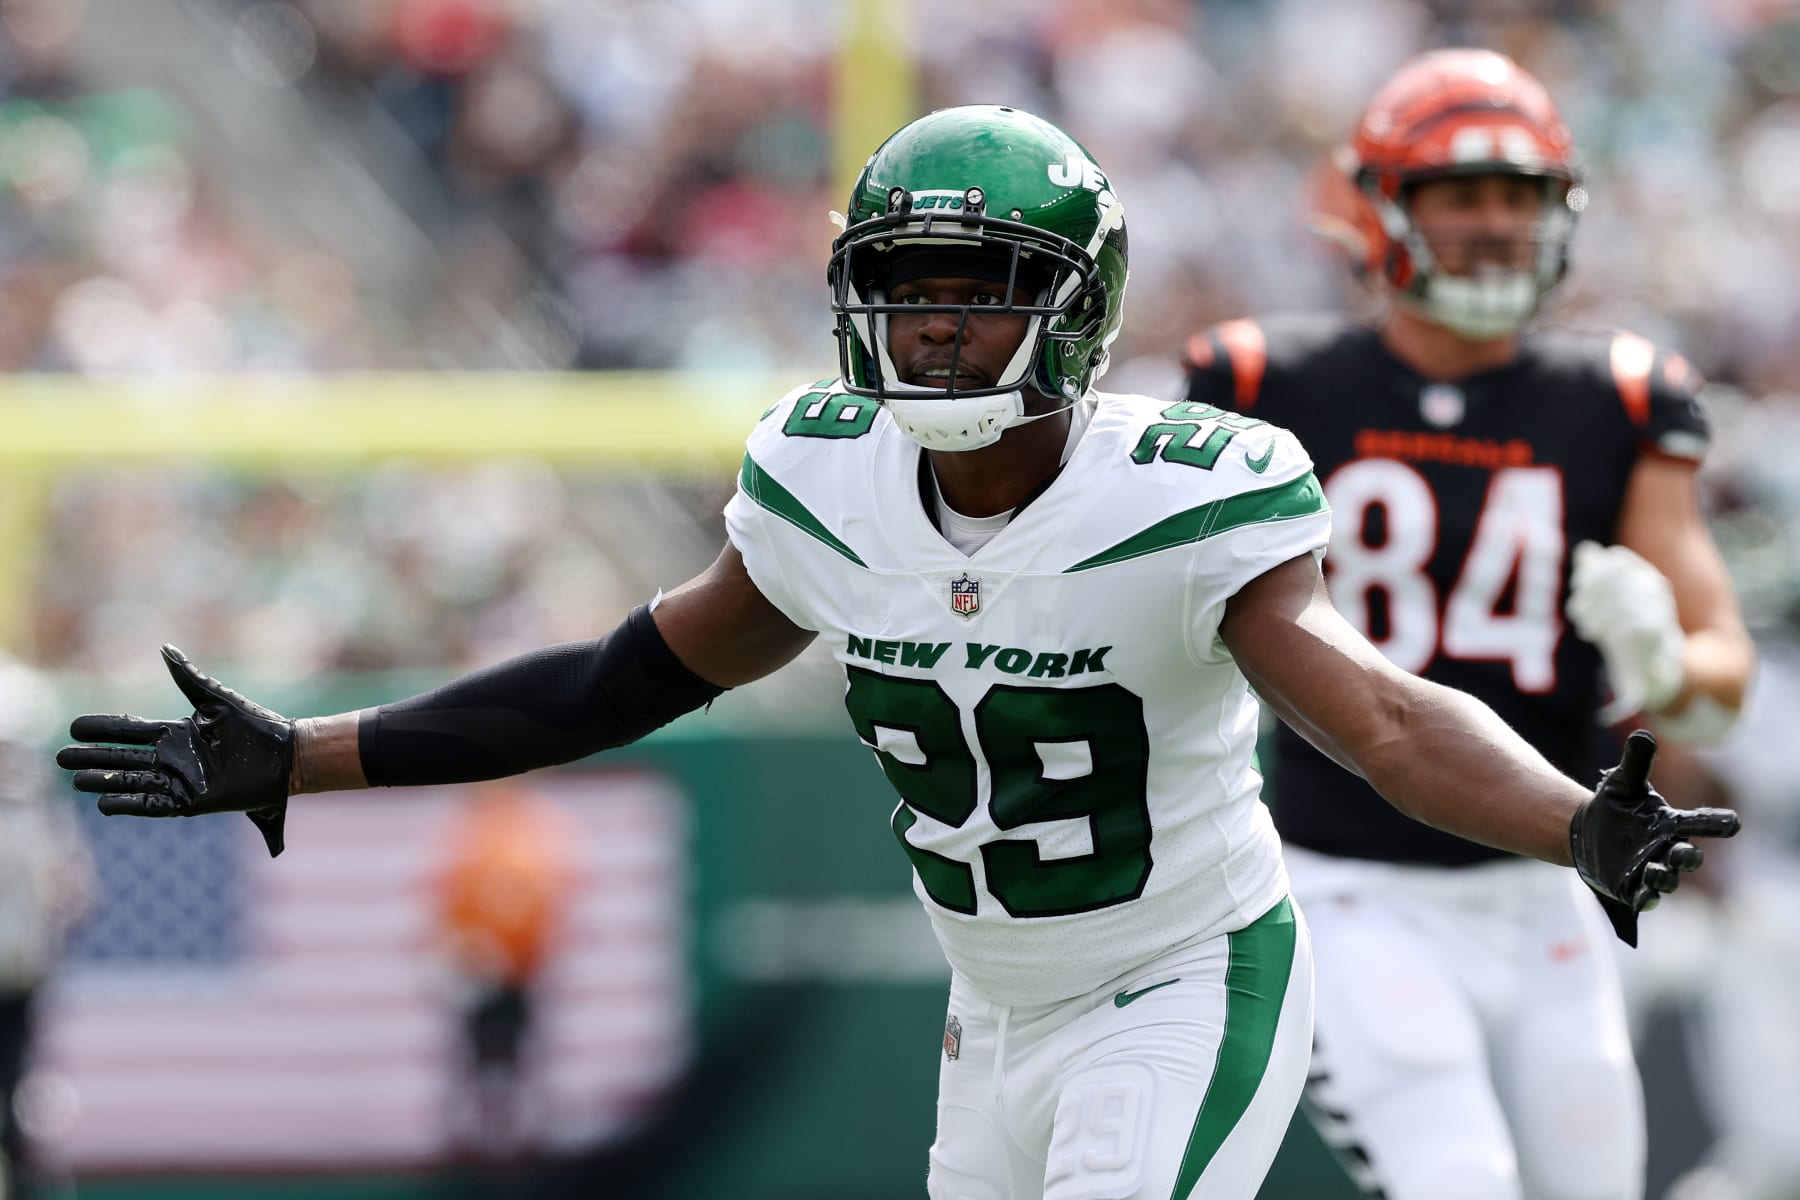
<point x="329" y="185"/>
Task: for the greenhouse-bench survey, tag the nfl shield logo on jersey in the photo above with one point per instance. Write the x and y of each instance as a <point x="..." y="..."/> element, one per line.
<point x="965" y="596"/>
<point x="952" y="1037"/>
<point x="1442" y="404"/>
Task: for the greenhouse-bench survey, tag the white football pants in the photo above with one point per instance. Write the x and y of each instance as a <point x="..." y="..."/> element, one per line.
<point x="1173" y="1082"/>
<point x="1471" y="1039"/>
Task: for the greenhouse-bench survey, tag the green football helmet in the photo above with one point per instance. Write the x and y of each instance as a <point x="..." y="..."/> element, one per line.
<point x="994" y="193"/>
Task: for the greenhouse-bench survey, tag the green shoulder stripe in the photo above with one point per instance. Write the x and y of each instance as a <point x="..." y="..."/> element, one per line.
<point x="761" y="487"/>
<point x="1300" y="497"/>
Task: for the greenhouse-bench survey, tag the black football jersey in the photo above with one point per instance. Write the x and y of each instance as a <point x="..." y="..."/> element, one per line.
<point x="1455" y="511"/>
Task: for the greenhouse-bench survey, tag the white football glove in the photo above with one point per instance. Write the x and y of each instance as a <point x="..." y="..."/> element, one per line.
<point x="1626" y="607"/>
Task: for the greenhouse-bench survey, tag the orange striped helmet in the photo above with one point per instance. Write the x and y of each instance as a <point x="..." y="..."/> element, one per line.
<point x="1443" y="113"/>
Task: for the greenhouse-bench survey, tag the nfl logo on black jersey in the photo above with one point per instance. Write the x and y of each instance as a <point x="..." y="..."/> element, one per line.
<point x="965" y="596"/>
<point x="1442" y="405"/>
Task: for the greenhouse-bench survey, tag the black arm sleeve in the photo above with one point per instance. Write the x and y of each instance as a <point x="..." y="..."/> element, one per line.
<point x="550" y="706"/>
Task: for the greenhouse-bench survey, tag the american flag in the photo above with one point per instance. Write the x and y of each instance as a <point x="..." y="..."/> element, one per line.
<point x="220" y="1009"/>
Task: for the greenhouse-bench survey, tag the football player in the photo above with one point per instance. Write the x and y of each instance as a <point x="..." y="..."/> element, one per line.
<point x="1049" y="604"/>
<point x="1515" y="512"/>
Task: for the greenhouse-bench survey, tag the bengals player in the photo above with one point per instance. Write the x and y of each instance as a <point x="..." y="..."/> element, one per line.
<point x="1516" y="517"/>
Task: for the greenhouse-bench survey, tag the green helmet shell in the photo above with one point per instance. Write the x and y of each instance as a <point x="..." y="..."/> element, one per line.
<point x="989" y="176"/>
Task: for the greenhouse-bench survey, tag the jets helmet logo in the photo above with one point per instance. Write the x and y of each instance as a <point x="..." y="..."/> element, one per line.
<point x="1076" y="171"/>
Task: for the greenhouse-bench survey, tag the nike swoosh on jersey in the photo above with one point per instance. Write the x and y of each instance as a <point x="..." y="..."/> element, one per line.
<point x="1124" y="998"/>
<point x="1260" y="463"/>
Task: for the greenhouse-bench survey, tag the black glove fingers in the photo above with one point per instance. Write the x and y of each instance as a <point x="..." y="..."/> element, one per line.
<point x="1685" y="856"/>
<point x="99" y="727"/>
<point x="204" y="691"/>
<point x="1633" y="771"/>
<point x="140" y="804"/>
<point x="1645" y="899"/>
<point x="1706" y="822"/>
<point x="229" y="756"/>
<point x="1661" y="878"/>
<point x="200" y="690"/>
<point x="103" y="782"/>
<point x="105" y="758"/>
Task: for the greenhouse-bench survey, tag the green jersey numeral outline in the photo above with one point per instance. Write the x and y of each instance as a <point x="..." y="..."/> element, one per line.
<point x="1192" y="434"/>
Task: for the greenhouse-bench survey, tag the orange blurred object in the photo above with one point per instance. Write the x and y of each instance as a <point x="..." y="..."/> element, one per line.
<point x="506" y="883"/>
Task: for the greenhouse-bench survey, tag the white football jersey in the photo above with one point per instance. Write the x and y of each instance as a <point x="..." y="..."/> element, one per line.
<point x="1072" y="744"/>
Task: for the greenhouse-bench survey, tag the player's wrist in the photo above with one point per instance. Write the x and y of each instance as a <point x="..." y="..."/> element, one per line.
<point x="327" y="756"/>
<point x="297" y="768"/>
<point x="1587" y="849"/>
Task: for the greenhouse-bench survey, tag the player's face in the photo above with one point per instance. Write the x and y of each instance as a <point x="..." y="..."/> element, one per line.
<point x="1479" y="223"/>
<point x="924" y="347"/>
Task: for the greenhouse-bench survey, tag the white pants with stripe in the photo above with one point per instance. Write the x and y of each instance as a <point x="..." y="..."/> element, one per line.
<point x="1471" y="1035"/>
<point x="1175" y="1082"/>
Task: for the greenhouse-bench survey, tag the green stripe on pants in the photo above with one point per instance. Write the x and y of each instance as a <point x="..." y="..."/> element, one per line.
<point x="1260" y="957"/>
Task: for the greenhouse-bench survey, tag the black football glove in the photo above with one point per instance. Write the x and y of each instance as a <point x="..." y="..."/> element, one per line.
<point x="232" y="755"/>
<point x="1630" y="846"/>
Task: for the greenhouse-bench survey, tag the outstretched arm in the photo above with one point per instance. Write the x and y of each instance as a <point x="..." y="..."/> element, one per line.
<point x="1444" y="758"/>
<point x="547" y="707"/>
<point x="554" y="705"/>
<point x="1438" y="755"/>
